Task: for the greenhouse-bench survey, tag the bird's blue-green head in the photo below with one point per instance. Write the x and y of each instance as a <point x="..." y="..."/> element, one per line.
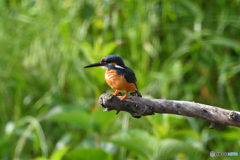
<point x="110" y="61"/>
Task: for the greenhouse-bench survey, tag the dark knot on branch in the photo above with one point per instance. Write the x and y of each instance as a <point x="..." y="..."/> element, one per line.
<point x="136" y="109"/>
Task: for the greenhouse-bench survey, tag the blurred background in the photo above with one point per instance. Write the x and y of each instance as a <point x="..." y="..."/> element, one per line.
<point x="179" y="50"/>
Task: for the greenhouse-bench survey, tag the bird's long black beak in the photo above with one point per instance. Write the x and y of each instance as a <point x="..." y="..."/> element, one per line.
<point x="95" y="65"/>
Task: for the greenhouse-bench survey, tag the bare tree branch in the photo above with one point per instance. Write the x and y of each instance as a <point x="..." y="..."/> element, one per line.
<point x="138" y="106"/>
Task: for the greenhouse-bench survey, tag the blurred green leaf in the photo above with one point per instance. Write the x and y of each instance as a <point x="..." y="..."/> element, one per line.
<point x="186" y="134"/>
<point x="108" y="48"/>
<point x="230" y="135"/>
<point x="136" y="140"/>
<point x="100" y="121"/>
<point x="58" y="154"/>
<point x="169" y="148"/>
<point x="40" y="158"/>
<point x="72" y="117"/>
<point x="88" y="154"/>
<point x="87" y="49"/>
<point x="222" y="41"/>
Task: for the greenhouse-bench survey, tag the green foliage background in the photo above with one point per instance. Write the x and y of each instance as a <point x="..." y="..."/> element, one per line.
<point x="179" y="49"/>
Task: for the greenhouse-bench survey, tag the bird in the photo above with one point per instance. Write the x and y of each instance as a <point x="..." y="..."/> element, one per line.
<point x="118" y="76"/>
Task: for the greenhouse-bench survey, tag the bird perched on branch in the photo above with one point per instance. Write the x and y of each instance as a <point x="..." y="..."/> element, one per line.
<point x="118" y="76"/>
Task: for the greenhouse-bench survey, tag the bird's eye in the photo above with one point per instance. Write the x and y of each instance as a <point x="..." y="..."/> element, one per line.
<point x="103" y="61"/>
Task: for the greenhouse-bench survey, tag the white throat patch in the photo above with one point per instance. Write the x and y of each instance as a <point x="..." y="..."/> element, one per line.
<point x="104" y="67"/>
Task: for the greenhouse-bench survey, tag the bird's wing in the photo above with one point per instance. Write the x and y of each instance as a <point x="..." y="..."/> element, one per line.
<point x="129" y="75"/>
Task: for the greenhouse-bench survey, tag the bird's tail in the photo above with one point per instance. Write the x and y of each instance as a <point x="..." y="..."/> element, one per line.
<point x="136" y="93"/>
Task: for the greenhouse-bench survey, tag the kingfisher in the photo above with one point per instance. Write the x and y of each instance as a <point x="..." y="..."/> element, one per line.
<point x="118" y="76"/>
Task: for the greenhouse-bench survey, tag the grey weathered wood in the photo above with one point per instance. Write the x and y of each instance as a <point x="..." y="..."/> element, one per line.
<point x="138" y="106"/>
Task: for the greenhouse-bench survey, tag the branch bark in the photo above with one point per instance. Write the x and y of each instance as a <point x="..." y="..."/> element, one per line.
<point x="138" y="106"/>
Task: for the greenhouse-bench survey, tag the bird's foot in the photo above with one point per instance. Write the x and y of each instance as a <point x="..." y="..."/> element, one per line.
<point x="116" y="93"/>
<point x="124" y="97"/>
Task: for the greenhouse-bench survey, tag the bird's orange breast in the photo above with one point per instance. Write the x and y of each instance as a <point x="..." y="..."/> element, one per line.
<point x="118" y="82"/>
